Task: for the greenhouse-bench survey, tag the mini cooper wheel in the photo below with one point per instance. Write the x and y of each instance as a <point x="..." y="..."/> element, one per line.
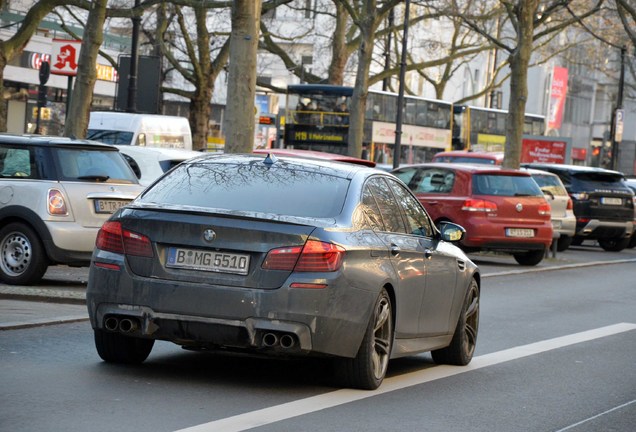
<point x="462" y="347"/>
<point x="22" y="258"/>
<point x="367" y="369"/>
<point x="119" y="348"/>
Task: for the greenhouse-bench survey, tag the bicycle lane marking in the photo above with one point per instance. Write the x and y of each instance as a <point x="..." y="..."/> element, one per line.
<point x="300" y="407"/>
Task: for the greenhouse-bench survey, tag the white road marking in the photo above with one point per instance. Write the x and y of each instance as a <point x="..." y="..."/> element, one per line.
<point x="596" y="416"/>
<point x="308" y="405"/>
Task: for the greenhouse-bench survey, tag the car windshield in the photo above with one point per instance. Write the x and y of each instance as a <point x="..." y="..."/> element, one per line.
<point x="110" y="136"/>
<point x="550" y="184"/>
<point x="284" y="189"/>
<point x="593" y="180"/>
<point x="505" y="185"/>
<point x="98" y="165"/>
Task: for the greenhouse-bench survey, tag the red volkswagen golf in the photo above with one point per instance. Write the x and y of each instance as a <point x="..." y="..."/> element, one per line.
<point x="501" y="209"/>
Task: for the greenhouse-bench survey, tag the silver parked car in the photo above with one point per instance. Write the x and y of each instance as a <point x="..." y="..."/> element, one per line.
<point x="561" y="207"/>
<point x="55" y="193"/>
<point x="283" y="256"/>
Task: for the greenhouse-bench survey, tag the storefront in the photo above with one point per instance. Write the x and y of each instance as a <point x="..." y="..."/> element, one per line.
<point x="21" y="84"/>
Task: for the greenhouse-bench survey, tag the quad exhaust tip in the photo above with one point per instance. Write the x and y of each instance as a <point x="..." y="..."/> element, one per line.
<point x="122" y="325"/>
<point x="272" y="340"/>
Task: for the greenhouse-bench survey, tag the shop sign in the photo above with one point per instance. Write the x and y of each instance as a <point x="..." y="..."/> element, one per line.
<point x="65" y="56"/>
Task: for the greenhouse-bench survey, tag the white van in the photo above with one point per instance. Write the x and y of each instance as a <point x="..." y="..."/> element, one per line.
<point x="140" y="129"/>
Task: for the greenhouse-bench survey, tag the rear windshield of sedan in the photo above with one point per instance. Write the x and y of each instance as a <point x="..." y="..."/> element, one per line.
<point x="252" y="188"/>
<point x="505" y="185"/>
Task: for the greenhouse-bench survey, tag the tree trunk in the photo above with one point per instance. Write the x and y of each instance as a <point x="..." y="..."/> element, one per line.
<point x="200" y="116"/>
<point x="339" y="52"/>
<point x="361" y="88"/>
<point x="79" y="110"/>
<point x="239" y="120"/>
<point x="519" y="61"/>
<point x="4" y="106"/>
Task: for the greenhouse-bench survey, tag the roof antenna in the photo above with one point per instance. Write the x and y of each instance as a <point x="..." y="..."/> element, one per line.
<point x="270" y="159"/>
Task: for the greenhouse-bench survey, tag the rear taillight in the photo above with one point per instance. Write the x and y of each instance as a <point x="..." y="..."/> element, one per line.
<point x="314" y="256"/>
<point x="544" y="209"/>
<point x="282" y="258"/>
<point x="56" y="203"/>
<point x="570" y="205"/>
<point x="580" y="196"/>
<point x="478" y="205"/>
<point x="112" y="238"/>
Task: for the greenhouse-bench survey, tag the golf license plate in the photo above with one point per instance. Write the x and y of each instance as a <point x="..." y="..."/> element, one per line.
<point x="108" y="206"/>
<point x="214" y="261"/>
<point x="519" y="232"/>
<point x="611" y="201"/>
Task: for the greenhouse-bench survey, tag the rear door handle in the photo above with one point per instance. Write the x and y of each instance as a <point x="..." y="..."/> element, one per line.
<point x="428" y="253"/>
<point x="395" y="250"/>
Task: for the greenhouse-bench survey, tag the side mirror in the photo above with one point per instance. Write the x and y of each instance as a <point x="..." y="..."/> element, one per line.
<point x="452" y="232"/>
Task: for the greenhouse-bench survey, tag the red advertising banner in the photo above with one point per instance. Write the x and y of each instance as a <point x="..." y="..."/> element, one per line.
<point x="64" y="56"/>
<point x="546" y="151"/>
<point x="558" y="92"/>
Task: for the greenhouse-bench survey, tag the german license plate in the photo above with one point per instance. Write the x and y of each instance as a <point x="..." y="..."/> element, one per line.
<point x="519" y="232"/>
<point x="196" y="259"/>
<point x="611" y="201"/>
<point x="108" y="206"/>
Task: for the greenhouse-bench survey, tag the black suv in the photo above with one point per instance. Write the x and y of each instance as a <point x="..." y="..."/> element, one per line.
<point x="55" y="194"/>
<point x="603" y="204"/>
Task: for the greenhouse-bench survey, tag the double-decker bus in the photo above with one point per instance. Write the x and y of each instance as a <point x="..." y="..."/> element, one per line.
<point x="484" y="129"/>
<point x="317" y="118"/>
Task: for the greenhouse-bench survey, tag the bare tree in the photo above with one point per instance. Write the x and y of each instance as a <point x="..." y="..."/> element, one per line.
<point x="12" y="47"/>
<point x="239" y="120"/>
<point x="526" y="23"/>
<point x="80" y="106"/>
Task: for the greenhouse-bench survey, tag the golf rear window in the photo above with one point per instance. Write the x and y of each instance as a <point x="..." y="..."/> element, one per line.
<point x="255" y="187"/>
<point x="505" y="185"/>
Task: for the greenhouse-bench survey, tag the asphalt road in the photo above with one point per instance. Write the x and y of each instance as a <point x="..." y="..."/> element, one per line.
<point x="556" y="352"/>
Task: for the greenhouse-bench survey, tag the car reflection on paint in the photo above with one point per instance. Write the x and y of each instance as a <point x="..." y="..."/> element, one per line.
<point x="283" y="256"/>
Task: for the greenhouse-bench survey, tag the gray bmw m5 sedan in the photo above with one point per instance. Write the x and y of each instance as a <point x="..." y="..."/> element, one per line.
<point x="283" y="256"/>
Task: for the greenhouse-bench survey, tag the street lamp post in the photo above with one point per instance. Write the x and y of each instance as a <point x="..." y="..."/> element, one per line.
<point x="617" y="117"/>
<point x="134" y="68"/>
<point x="400" y="99"/>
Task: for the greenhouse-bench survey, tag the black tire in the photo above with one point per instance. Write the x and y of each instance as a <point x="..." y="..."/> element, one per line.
<point x="614" y="244"/>
<point x="367" y="369"/>
<point x="119" y="348"/>
<point x="563" y="243"/>
<point x="462" y="347"/>
<point x="530" y="258"/>
<point x="632" y="241"/>
<point x="576" y="241"/>
<point x="22" y="257"/>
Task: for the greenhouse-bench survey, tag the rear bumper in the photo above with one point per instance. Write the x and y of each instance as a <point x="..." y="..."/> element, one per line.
<point x="599" y="229"/>
<point x="329" y="321"/>
<point x="485" y="234"/>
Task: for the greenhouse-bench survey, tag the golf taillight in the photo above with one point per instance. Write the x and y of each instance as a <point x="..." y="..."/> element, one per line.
<point x="570" y="204"/>
<point x="111" y="237"/>
<point x="314" y="256"/>
<point x="479" y="205"/>
<point x="545" y="210"/>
